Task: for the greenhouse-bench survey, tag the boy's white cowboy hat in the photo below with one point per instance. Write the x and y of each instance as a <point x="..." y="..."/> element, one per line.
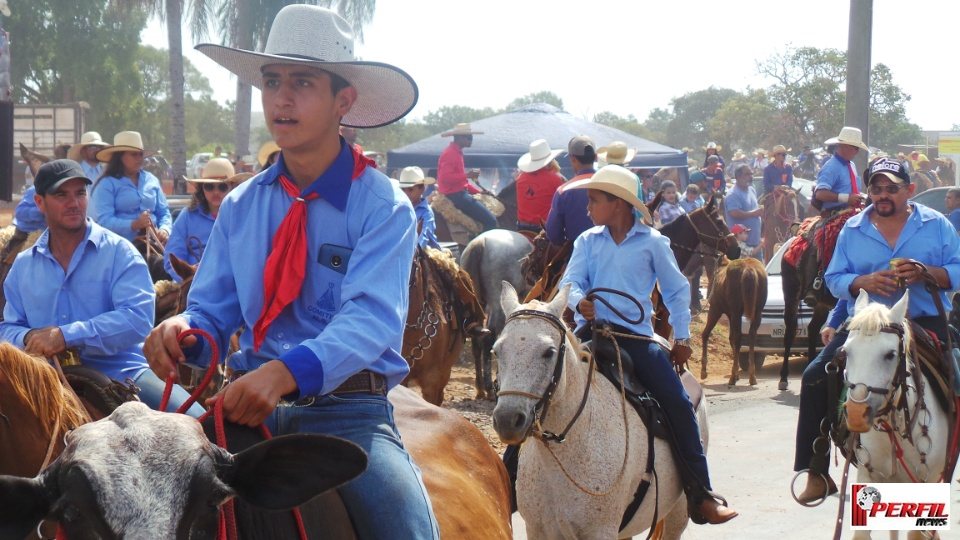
<point x="219" y="170"/>
<point x="320" y="38"/>
<point x="125" y="141"/>
<point x="90" y="138"/>
<point x="538" y="157"/>
<point x="618" y="182"/>
<point x="616" y="154"/>
<point x="460" y="129"/>
<point x="852" y="136"/>
<point x="412" y="176"/>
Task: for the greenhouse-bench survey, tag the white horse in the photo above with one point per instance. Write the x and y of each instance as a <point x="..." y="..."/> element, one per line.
<point x="580" y="488"/>
<point x="879" y="353"/>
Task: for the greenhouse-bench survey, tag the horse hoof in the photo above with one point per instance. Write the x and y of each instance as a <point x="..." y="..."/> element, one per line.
<point x="732" y="381"/>
<point x="753" y="381"/>
<point x="782" y="385"/>
<point x="703" y="374"/>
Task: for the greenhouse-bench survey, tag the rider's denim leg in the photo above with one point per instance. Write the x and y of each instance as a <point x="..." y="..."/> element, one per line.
<point x="813" y="403"/>
<point x="473" y="208"/>
<point x="389" y="499"/>
<point x="151" y="392"/>
<point x="656" y="374"/>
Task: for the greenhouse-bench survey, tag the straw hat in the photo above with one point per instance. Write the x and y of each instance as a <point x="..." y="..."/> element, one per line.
<point x="778" y="149"/>
<point x="538" y="157"/>
<point x="413" y="176"/>
<point x="90" y="138"/>
<point x="125" y="141"/>
<point x="460" y="129"/>
<point x="317" y="37"/>
<point x="267" y="149"/>
<point x="219" y="170"/>
<point x="712" y="146"/>
<point x="760" y="152"/>
<point x="852" y="136"/>
<point x="739" y="155"/>
<point x="616" y="154"/>
<point x="618" y="182"/>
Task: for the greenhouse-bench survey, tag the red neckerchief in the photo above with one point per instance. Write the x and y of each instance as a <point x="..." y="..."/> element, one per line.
<point x="853" y="178"/>
<point x="287" y="263"/>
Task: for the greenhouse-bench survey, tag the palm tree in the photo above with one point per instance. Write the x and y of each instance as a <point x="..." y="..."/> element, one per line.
<point x="245" y="24"/>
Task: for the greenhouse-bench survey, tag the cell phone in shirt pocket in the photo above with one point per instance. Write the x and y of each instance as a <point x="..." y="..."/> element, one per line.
<point x="335" y="257"/>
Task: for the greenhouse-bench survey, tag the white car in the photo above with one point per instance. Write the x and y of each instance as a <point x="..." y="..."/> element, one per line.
<point x="196" y="163"/>
<point x="772" y="328"/>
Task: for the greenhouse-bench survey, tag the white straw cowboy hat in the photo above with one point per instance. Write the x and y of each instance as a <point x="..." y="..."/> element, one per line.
<point x="538" y="157"/>
<point x="618" y="182"/>
<point x="778" y="149"/>
<point x="267" y="149"/>
<point x="219" y="170"/>
<point x="616" y="154"/>
<point x="125" y="141"/>
<point x="712" y="146"/>
<point x="852" y="136"/>
<point x="90" y="138"/>
<point x="460" y="129"/>
<point x="317" y="37"/>
<point x="413" y="176"/>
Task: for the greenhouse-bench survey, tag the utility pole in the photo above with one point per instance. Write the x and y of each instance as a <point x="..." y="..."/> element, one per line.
<point x="857" y="105"/>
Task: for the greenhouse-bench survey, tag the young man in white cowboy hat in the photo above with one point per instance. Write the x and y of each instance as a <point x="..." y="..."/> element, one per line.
<point x="413" y="183"/>
<point x="83" y="288"/>
<point x="85" y="153"/>
<point x="453" y="181"/>
<point x="568" y="211"/>
<point x="838" y="182"/>
<point x="313" y="256"/>
<point x="537" y="183"/>
<point x="623" y="253"/>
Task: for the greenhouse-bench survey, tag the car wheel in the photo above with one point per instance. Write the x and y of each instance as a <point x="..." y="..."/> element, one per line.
<point x="758" y="359"/>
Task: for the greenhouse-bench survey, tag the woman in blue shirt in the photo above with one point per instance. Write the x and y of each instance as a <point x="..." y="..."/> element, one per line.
<point x="192" y="228"/>
<point x="128" y="199"/>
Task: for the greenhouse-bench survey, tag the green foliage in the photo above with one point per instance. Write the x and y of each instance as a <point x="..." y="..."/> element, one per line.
<point x="630" y="124"/>
<point x="748" y="121"/>
<point x="538" y="97"/>
<point x="691" y="112"/>
<point x="445" y="118"/>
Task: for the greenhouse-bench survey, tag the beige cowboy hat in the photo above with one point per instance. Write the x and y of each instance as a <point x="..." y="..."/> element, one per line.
<point x="219" y="170"/>
<point x="267" y="149"/>
<point x="712" y="146"/>
<point x="618" y="182"/>
<point x="778" y="149"/>
<point x="538" y="157"/>
<point x="616" y="154"/>
<point x="738" y="155"/>
<point x="460" y="129"/>
<point x="90" y="138"/>
<point x="760" y="151"/>
<point x="317" y="37"/>
<point x="853" y="137"/>
<point x="413" y="176"/>
<point x="125" y="141"/>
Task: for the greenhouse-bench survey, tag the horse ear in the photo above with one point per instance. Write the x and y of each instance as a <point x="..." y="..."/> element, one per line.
<point x="181" y="267"/>
<point x="23" y="503"/>
<point x="559" y="302"/>
<point x="862" y="301"/>
<point x="508" y="298"/>
<point x="899" y="311"/>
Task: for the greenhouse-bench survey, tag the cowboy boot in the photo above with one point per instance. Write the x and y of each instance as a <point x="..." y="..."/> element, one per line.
<point x="711" y="511"/>
<point x="817" y="488"/>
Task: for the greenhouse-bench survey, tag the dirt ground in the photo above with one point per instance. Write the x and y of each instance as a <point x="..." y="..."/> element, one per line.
<point x="460" y="394"/>
<point x="6" y="215"/>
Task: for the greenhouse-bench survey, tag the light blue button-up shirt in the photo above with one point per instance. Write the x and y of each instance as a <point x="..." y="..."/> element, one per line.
<point x="27" y="216"/>
<point x="926" y="237"/>
<point x="428" y="236"/>
<point x="117" y="202"/>
<point x="835" y="177"/>
<point x="91" y="171"/>
<point x="632" y="267"/>
<point x="103" y="303"/>
<point x="351" y="311"/>
<point x="746" y="201"/>
<point x="189" y="237"/>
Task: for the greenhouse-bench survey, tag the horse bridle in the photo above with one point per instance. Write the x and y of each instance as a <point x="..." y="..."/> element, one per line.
<point x="899" y="381"/>
<point x="717" y="241"/>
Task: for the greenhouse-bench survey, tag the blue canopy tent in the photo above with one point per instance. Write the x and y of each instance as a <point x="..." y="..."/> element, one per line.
<point x="507" y="136"/>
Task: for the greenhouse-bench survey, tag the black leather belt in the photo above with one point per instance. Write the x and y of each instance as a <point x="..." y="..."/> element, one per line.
<point x="364" y="382"/>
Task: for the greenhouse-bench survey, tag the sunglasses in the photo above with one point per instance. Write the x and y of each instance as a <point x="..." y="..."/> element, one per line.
<point x="892" y="189"/>
<point x="221" y="187"/>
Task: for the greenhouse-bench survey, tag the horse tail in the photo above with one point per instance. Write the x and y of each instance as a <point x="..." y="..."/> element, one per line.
<point x="749" y="285"/>
<point x="471" y="261"/>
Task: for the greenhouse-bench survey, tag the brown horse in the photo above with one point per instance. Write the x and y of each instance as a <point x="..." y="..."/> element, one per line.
<point x="781" y="210"/>
<point x="434" y="335"/>
<point x="740" y="289"/>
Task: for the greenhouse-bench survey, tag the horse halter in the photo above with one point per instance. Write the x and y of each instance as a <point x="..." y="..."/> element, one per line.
<point x="542" y="406"/>
<point x="860" y="392"/>
<point x="718" y="240"/>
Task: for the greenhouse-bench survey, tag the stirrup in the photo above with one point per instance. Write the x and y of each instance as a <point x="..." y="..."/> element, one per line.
<point x="818" y="502"/>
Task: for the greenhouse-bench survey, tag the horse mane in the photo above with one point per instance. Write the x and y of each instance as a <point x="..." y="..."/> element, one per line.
<point x="871" y="319"/>
<point x="35" y="383"/>
<point x="165" y="287"/>
<point x="441" y="263"/>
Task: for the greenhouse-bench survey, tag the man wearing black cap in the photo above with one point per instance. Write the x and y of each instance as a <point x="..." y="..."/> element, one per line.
<point x="82" y="291"/>
<point x="568" y="212"/>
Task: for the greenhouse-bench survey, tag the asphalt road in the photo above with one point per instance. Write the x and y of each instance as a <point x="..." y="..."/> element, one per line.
<point x="752" y="433"/>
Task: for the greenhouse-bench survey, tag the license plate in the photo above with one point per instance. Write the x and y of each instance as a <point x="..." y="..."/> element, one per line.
<point x="780" y="331"/>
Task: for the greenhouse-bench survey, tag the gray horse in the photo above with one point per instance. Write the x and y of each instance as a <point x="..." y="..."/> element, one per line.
<point x="490" y="259"/>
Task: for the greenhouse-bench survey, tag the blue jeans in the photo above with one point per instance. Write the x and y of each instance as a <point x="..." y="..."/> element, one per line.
<point x="473" y="209"/>
<point x="151" y="392"/>
<point x="813" y="403"/>
<point x="655" y="372"/>
<point x="389" y="499"/>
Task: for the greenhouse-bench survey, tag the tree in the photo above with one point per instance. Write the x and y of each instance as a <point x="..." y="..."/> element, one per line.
<point x="889" y="126"/>
<point x="691" y="112"/>
<point x="630" y="124"/>
<point x="445" y="118"/>
<point x="537" y="97"/>
<point x="748" y="121"/>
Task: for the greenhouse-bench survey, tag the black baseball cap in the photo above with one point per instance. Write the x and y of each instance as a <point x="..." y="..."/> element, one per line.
<point x="890" y="168"/>
<point x="54" y="173"/>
